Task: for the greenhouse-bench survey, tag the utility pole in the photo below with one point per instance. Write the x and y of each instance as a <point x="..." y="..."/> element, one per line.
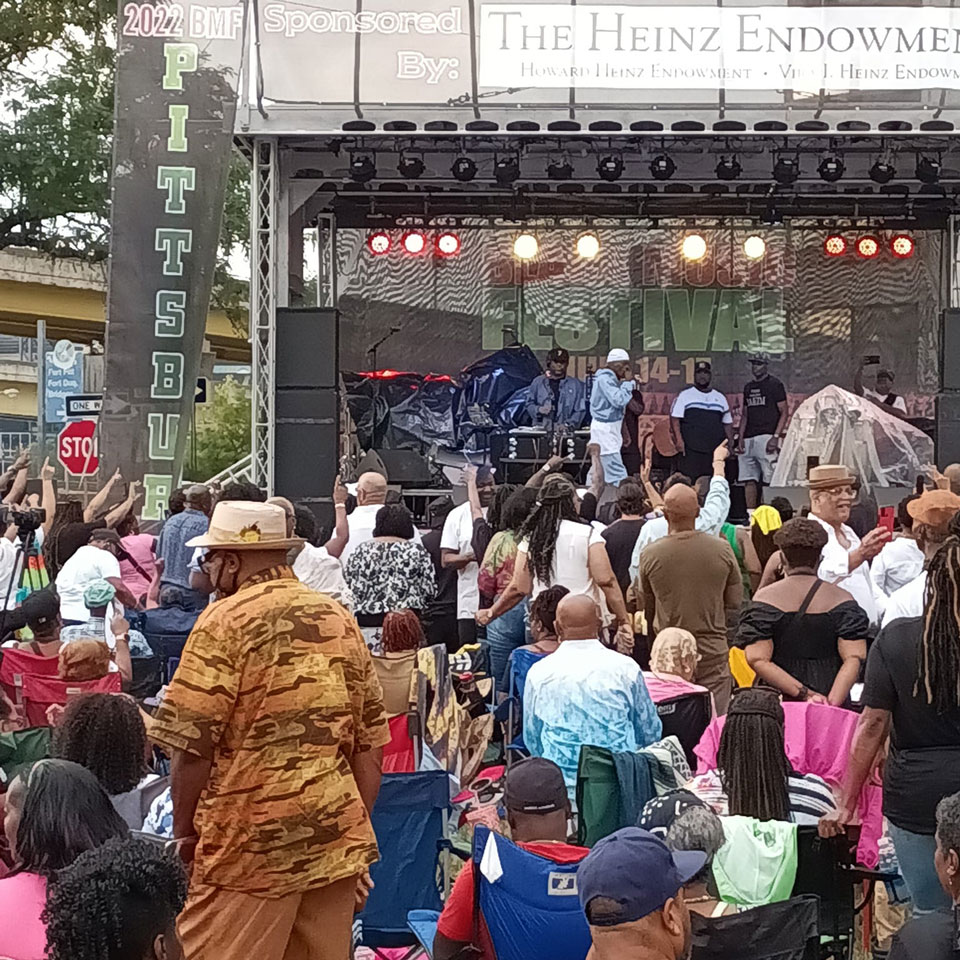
<point x="41" y="388"/>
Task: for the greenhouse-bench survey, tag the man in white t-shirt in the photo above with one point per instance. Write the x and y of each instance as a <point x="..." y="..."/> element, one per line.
<point x="932" y="513"/>
<point x="883" y="396"/>
<point x="700" y="420"/>
<point x="456" y="551"/>
<point x="845" y="559"/>
<point x="95" y="561"/>
<point x="371" y="496"/>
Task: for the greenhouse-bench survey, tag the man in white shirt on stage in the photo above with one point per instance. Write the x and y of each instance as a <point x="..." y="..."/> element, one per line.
<point x="613" y="388"/>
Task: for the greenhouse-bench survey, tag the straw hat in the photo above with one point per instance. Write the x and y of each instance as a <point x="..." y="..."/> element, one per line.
<point x="934" y="508"/>
<point x="829" y="475"/>
<point x="241" y="525"/>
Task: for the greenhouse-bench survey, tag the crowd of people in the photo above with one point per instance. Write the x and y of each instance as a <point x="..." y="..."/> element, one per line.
<point x="194" y="719"/>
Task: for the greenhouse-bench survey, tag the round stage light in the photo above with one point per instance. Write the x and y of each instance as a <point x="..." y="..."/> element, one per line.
<point x="463" y="169"/>
<point x="754" y="247"/>
<point x="868" y="247"/>
<point x="928" y="169"/>
<point x="835" y="246"/>
<point x="662" y="167"/>
<point x="414" y="242"/>
<point x="902" y="246"/>
<point x="506" y="170"/>
<point x="410" y="168"/>
<point x="694" y="247"/>
<point x="610" y="168"/>
<point x="448" y="244"/>
<point x="728" y="168"/>
<point x="786" y="170"/>
<point x="525" y="247"/>
<point x="588" y="246"/>
<point x="362" y="168"/>
<point x="831" y="169"/>
<point x="560" y="170"/>
<point x="379" y="243"/>
<point x="882" y="172"/>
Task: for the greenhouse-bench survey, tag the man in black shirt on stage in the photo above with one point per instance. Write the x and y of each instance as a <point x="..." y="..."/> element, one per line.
<point x="763" y="424"/>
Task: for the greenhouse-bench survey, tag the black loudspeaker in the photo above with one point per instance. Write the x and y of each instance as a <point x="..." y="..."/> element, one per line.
<point x="404" y="468"/>
<point x="950" y="351"/>
<point x="307" y="408"/>
<point x="948" y="428"/>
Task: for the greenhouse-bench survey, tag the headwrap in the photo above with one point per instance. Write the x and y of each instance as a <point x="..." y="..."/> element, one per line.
<point x="98" y="594"/>
<point x="767" y="518"/>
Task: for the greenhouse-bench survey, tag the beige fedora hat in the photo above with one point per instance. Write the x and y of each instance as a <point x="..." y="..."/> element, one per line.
<point x="829" y="475"/>
<point x="241" y="525"/>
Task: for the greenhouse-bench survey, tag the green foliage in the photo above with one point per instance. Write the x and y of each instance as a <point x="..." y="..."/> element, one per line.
<point x="57" y="62"/>
<point x="221" y="431"/>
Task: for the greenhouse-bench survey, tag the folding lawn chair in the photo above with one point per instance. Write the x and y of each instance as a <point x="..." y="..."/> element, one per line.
<point x="686" y="717"/>
<point x="787" y="930"/>
<point x="39" y="693"/>
<point x="16" y="664"/>
<point x="510" y="711"/>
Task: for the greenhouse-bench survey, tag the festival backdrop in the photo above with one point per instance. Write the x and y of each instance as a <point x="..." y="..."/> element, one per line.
<point x="816" y="316"/>
<point x="175" y="104"/>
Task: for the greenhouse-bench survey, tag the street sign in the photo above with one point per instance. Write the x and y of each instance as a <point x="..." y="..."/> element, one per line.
<point x="77" y="448"/>
<point x="64" y="375"/>
<point x="83" y="405"/>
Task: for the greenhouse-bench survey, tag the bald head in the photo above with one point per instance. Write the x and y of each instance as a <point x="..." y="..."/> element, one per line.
<point x="371" y="488"/>
<point x="578" y="618"/>
<point x="681" y="507"/>
<point x="952" y="473"/>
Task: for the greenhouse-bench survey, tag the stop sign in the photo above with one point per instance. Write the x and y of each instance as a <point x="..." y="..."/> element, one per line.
<point x="77" y="448"/>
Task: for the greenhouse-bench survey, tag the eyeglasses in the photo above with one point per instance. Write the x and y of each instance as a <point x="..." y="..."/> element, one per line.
<point x="846" y="491"/>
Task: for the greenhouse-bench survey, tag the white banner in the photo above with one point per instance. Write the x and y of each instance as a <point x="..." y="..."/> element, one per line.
<point x="745" y="48"/>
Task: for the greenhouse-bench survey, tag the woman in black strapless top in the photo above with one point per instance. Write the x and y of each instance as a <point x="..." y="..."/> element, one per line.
<point x="802" y="635"/>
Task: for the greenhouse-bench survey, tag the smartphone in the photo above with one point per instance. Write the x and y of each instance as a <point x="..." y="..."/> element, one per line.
<point x="872" y="360"/>
<point x="811" y="463"/>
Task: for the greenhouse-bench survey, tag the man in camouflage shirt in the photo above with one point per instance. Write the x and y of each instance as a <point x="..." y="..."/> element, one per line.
<point x="276" y="725"/>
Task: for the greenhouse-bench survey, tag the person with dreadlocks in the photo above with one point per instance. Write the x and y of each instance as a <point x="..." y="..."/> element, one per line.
<point x="754" y="778"/>
<point x="117" y="902"/>
<point x="912" y="693"/>
<point x="401" y="638"/>
<point x="557" y="547"/>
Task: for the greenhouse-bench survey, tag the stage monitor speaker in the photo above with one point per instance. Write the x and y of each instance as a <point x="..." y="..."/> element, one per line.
<point x="950" y="350"/>
<point x="307" y="408"/>
<point x="405" y="468"/>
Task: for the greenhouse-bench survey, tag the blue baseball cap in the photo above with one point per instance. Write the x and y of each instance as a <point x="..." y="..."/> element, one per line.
<point x="634" y="869"/>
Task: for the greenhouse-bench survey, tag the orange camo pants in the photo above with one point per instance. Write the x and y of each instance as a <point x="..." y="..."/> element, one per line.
<point x="219" y="924"/>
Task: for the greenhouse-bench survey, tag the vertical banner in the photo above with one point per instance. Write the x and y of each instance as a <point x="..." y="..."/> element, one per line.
<point x="177" y="69"/>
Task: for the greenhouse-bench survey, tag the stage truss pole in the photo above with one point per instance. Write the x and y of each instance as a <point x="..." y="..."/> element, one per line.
<point x="953" y="238"/>
<point x="263" y="305"/>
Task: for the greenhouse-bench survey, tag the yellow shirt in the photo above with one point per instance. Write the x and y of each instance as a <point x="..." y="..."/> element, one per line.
<point x="277" y="688"/>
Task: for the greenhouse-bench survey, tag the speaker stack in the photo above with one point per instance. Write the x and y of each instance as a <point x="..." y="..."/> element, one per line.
<point x="948" y="401"/>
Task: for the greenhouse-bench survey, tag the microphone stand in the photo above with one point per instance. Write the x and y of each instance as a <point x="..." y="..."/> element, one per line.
<point x="372" y="353"/>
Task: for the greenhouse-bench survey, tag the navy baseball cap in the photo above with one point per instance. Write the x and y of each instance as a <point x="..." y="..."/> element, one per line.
<point x="636" y="871"/>
<point x="702" y="366"/>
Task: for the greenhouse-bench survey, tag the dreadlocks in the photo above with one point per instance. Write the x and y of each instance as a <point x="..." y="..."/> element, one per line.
<point x="401" y="632"/>
<point x="556" y="502"/>
<point x="752" y="760"/>
<point x="500" y="497"/>
<point x="938" y="657"/>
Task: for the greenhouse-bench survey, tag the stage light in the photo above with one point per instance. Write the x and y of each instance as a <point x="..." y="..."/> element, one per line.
<point x="754" y="247"/>
<point x="588" y="246"/>
<point x="362" y="168"/>
<point x="928" y="169"/>
<point x="882" y="172"/>
<point x="525" y="247"/>
<point x="463" y="169"/>
<point x="728" y="168"/>
<point x="610" y="168"/>
<point x="448" y="244"/>
<point x="786" y="170"/>
<point x="835" y="246"/>
<point x="414" y="242"/>
<point x="410" y="167"/>
<point x="662" y="167"/>
<point x="379" y="243"/>
<point x="694" y="247"/>
<point x="506" y="170"/>
<point x="902" y="246"/>
<point x="560" y="170"/>
<point x="868" y="247"/>
<point x="831" y="169"/>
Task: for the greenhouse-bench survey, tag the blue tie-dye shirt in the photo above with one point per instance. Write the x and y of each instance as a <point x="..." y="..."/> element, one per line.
<point x="585" y="693"/>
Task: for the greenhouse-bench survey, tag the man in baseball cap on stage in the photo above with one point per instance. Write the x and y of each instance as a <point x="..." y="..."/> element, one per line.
<point x="613" y="388"/>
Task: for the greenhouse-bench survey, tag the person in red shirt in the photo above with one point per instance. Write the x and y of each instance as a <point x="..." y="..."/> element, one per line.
<point x="538" y="811"/>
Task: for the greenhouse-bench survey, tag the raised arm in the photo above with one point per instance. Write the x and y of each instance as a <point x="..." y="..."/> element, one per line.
<point x="653" y="494"/>
<point x="93" y="508"/>
<point x="596" y="470"/>
<point x="48" y="500"/>
<point x="540" y="475"/>
<point x="341" y="533"/>
<point x="858" y="379"/>
<point x="470" y="478"/>
<point x="115" y="515"/>
<point x="19" y="485"/>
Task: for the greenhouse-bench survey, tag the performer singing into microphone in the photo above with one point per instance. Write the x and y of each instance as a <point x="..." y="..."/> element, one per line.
<point x="555" y="399"/>
<point x="613" y="389"/>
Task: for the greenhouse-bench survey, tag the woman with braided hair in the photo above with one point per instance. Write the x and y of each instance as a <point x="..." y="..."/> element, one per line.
<point x="754" y="777"/>
<point x="557" y="547"/>
<point x="912" y="693"/>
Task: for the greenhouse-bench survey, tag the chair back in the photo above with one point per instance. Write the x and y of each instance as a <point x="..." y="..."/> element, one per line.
<point x="532" y="910"/>
<point x="518" y="666"/>
<point x="520" y="663"/>
<point x="819" y="874"/>
<point x="409" y="819"/>
<point x="598" y="796"/>
<point x="399" y="755"/>
<point x="16" y="664"/>
<point x="787" y="930"/>
<point x="39" y="693"/>
<point x="20" y="749"/>
<point x="686" y="717"/>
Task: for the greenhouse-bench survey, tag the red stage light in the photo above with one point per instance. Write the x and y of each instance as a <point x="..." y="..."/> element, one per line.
<point x="448" y="244"/>
<point x="835" y="246"/>
<point x="868" y="247"/>
<point x="902" y="246"/>
<point x="379" y="243"/>
<point x="414" y="242"/>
